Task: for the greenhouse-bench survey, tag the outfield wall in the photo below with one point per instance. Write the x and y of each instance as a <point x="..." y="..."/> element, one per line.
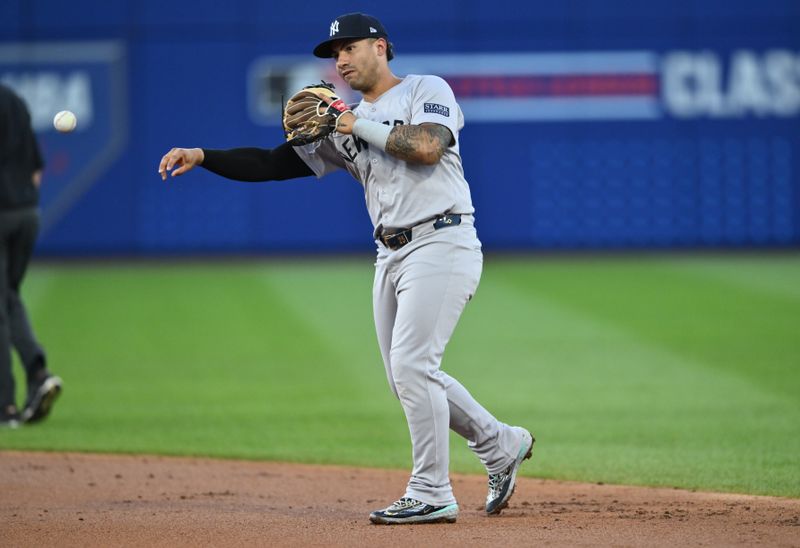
<point x="608" y="125"/>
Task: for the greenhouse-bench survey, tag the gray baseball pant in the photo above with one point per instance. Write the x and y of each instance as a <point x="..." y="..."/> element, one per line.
<point x="419" y="293"/>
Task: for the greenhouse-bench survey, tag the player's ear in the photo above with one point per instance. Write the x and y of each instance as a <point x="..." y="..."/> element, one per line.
<point x="381" y="46"/>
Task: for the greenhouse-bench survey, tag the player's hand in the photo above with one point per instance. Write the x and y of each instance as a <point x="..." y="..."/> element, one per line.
<point x="344" y="124"/>
<point x="184" y="158"/>
<point x="345" y="121"/>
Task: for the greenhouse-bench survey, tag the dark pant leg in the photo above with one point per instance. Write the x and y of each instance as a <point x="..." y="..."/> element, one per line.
<point x="7" y="387"/>
<point x="20" y="249"/>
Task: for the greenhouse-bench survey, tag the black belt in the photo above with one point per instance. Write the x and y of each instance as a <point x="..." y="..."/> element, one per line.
<point x="395" y="238"/>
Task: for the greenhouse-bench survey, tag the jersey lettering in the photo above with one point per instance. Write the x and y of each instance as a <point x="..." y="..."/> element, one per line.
<point x="348" y="144"/>
<point x="350" y="154"/>
<point x="360" y="143"/>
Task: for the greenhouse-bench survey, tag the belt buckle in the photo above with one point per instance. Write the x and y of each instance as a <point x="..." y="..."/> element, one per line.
<point x="402" y="239"/>
<point x="397" y="240"/>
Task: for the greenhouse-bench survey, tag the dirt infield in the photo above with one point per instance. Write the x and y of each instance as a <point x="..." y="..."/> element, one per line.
<point x="56" y="499"/>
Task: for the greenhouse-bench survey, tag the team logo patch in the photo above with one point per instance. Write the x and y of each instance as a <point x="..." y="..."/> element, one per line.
<point x="437" y="109"/>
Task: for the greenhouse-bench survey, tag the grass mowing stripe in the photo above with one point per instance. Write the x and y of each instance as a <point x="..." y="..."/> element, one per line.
<point x="720" y="325"/>
<point x="339" y="309"/>
<point x="779" y="280"/>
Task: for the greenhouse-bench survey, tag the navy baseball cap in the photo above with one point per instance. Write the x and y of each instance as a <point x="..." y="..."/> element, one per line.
<point x="352" y="25"/>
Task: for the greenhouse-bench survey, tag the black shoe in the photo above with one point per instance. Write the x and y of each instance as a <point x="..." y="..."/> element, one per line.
<point x="41" y="396"/>
<point x="408" y="510"/>
<point x="501" y="486"/>
<point x="9" y="419"/>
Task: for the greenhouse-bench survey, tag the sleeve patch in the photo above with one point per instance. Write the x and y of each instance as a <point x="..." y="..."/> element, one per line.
<point x="437" y="109"/>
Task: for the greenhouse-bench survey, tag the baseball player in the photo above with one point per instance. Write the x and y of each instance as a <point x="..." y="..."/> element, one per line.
<point x="401" y="143"/>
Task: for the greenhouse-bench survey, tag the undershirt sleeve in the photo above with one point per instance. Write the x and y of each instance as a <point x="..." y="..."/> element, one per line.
<point x="256" y="164"/>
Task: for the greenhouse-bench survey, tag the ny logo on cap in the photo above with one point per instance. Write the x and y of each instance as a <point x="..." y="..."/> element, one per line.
<point x="334" y="27"/>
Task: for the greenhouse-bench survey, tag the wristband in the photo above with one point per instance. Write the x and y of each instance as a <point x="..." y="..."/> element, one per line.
<point x="374" y="133"/>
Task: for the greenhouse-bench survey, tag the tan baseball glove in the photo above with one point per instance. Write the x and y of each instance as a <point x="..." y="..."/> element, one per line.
<point x="308" y="118"/>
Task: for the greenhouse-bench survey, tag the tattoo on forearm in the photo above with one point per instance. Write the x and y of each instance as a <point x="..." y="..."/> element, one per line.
<point x="419" y="144"/>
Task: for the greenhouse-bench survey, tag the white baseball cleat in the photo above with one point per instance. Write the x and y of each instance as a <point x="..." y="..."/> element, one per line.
<point x="40" y="399"/>
<point x="501" y="485"/>
<point x="408" y="510"/>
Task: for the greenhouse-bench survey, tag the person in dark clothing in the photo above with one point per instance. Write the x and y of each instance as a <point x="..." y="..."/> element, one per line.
<point x="20" y="176"/>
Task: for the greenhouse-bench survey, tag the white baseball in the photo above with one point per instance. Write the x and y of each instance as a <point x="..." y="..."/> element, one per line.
<point x="65" y="121"/>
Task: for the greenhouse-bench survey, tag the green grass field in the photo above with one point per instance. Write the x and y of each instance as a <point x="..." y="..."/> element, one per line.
<point x="662" y="370"/>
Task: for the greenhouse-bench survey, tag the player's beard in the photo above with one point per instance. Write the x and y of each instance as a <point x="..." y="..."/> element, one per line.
<point x="365" y="79"/>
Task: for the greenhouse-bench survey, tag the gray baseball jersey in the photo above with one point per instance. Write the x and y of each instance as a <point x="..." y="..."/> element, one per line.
<point x="421" y="288"/>
<point x="400" y="194"/>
